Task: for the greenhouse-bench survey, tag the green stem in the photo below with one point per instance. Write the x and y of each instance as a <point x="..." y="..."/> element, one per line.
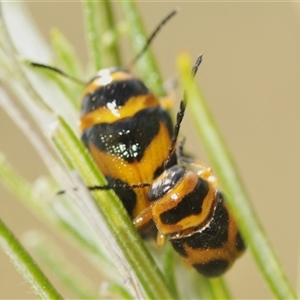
<point x="26" y="265"/>
<point x="66" y="273"/>
<point x="146" y="65"/>
<point x="113" y="49"/>
<point x="94" y="28"/>
<point x="15" y="183"/>
<point x="99" y="20"/>
<point x="230" y="181"/>
<point x="210" y="288"/>
<point x="64" y="51"/>
<point x="65" y="216"/>
<point x="15" y="69"/>
<point x="114" y="214"/>
<point x="169" y="268"/>
<point x="119" y="291"/>
<point x="218" y="288"/>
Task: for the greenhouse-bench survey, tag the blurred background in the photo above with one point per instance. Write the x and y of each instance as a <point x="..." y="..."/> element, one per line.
<point x="250" y="76"/>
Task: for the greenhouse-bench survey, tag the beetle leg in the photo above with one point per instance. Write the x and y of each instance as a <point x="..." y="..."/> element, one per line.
<point x="143" y="218"/>
<point x="160" y="239"/>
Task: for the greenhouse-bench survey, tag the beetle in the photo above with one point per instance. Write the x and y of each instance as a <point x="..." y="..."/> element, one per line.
<point x="126" y="128"/>
<point x="127" y="131"/>
<point x="187" y="206"/>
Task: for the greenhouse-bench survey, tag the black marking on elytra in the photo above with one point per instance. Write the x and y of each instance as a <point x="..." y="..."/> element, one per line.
<point x="215" y="234"/>
<point x="125" y="193"/>
<point x="191" y="204"/>
<point x="130" y="137"/>
<point x="178" y="244"/>
<point x="239" y="243"/>
<point x="212" y="268"/>
<point x="117" y="93"/>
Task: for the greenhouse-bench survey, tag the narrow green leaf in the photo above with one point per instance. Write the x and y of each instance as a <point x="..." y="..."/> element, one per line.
<point x="99" y="20"/>
<point x="70" y="64"/>
<point x="94" y="30"/>
<point x="14" y="66"/>
<point x="210" y="288"/>
<point x="232" y="185"/>
<point x="63" y="216"/>
<point x="169" y="270"/>
<point x="112" y="48"/>
<point x="14" y="182"/>
<point x="218" y="288"/>
<point x="26" y="265"/>
<point x="146" y="65"/>
<point x="65" y="52"/>
<point x="66" y="273"/>
<point x="114" y="214"/>
<point x="119" y="292"/>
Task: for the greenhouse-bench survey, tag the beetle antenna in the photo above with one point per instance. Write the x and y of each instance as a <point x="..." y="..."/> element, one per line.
<point x="143" y="50"/>
<point x="180" y="114"/>
<point x="152" y="36"/>
<point x="110" y="187"/>
<point x="56" y="70"/>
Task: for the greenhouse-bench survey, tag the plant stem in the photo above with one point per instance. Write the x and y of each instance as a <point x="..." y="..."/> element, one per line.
<point x="233" y="188"/>
<point x="114" y="214"/>
<point x="93" y="34"/>
<point x="66" y="273"/>
<point x="146" y="65"/>
<point x="26" y="265"/>
<point x="113" y="49"/>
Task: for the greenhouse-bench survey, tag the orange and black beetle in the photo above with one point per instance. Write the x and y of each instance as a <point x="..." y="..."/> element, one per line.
<point x="187" y="206"/>
<point x="127" y="132"/>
